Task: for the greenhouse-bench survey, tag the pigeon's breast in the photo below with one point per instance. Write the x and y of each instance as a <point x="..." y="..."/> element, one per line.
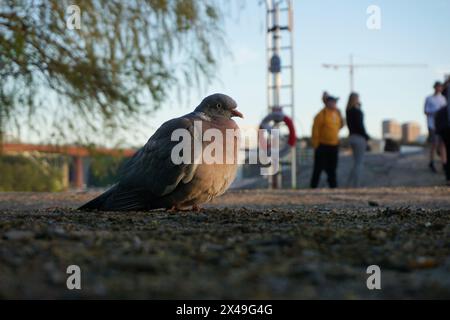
<point x="214" y="175"/>
<point x="214" y="180"/>
<point x="218" y="170"/>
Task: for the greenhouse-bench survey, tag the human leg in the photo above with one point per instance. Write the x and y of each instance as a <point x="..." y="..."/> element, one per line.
<point x="318" y="167"/>
<point x="331" y="166"/>
<point x="360" y="150"/>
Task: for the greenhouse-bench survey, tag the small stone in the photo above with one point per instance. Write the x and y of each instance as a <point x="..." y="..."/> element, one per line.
<point x="423" y="263"/>
<point x="211" y="247"/>
<point x="137" y="242"/>
<point x="18" y="235"/>
<point x="374" y="204"/>
<point x="377" y="235"/>
<point x="58" y="232"/>
<point x="408" y="246"/>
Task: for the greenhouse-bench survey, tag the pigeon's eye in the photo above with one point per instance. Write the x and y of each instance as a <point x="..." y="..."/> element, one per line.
<point x="219" y="106"/>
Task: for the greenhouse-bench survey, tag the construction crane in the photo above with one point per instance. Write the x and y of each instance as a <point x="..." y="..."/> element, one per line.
<point x="352" y="67"/>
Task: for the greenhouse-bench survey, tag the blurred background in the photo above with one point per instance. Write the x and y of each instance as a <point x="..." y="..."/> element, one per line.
<point x="82" y="87"/>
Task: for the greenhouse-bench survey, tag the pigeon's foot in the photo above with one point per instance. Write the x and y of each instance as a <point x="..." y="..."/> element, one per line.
<point x="173" y="209"/>
<point x="196" y="208"/>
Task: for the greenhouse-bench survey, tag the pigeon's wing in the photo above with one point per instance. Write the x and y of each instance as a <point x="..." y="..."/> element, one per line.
<point x="151" y="173"/>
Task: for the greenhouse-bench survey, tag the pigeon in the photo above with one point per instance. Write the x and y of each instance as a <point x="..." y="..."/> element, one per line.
<point x="152" y="180"/>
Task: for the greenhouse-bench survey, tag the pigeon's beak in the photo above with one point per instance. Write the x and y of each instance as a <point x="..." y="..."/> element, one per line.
<point x="236" y="113"/>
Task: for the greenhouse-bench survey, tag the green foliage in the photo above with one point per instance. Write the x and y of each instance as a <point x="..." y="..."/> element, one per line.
<point x="104" y="170"/>
<point x="122" y="64"/>
<point x="18" y="173"/>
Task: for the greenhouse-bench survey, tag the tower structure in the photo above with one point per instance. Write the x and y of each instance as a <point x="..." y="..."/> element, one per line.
<point x="280" y="71"/>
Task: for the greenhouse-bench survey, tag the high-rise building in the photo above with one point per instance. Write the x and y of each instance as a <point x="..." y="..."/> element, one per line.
<point x="410" y="132"/>
<point x="392" y="130"/>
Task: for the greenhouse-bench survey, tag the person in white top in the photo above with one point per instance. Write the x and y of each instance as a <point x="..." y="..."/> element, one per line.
<point x="433" y="104"/>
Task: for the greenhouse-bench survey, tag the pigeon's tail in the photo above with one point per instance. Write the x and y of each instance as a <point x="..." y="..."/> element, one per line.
<point x="99" y="202"/>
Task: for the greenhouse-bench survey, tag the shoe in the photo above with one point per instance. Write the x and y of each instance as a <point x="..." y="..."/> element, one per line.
<point x="432" y="167"/>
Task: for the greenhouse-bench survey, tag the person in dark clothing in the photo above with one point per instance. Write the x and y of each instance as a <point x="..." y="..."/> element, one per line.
<point x="358" y="139"/>
<point x="326" y="159"/>
<point x="442" y="123"/>
<point x="433" y="104"/>
<point x="355" y="117"/>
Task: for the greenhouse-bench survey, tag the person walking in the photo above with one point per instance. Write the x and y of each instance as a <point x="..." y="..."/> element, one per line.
<point x="442" y="124"/>
<point x="325" y="140"/>
<point x="358" y="139"/>
<point x="433" y="104"/>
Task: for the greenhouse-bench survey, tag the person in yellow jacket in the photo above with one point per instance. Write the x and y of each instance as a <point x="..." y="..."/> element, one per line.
<point x="325" y="140"/>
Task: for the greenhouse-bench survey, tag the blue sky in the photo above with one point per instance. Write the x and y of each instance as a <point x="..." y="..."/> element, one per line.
<point x="328" y="31"/>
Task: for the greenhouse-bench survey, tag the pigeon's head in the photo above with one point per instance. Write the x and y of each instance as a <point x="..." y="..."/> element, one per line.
<point x="219" y="105"/>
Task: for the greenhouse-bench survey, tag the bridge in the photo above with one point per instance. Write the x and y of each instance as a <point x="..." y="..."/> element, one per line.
<point x="76" y="152"/>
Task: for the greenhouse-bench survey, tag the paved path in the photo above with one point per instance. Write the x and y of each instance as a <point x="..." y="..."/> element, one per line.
<point x="246" y="245"/>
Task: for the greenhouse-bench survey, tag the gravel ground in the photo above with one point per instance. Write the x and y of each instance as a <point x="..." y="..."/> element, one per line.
<point x="254" y="244"/>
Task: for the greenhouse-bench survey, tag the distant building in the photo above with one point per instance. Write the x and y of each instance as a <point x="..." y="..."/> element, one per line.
<point x="410" y="132"/>
<point x="392" y="130"/>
